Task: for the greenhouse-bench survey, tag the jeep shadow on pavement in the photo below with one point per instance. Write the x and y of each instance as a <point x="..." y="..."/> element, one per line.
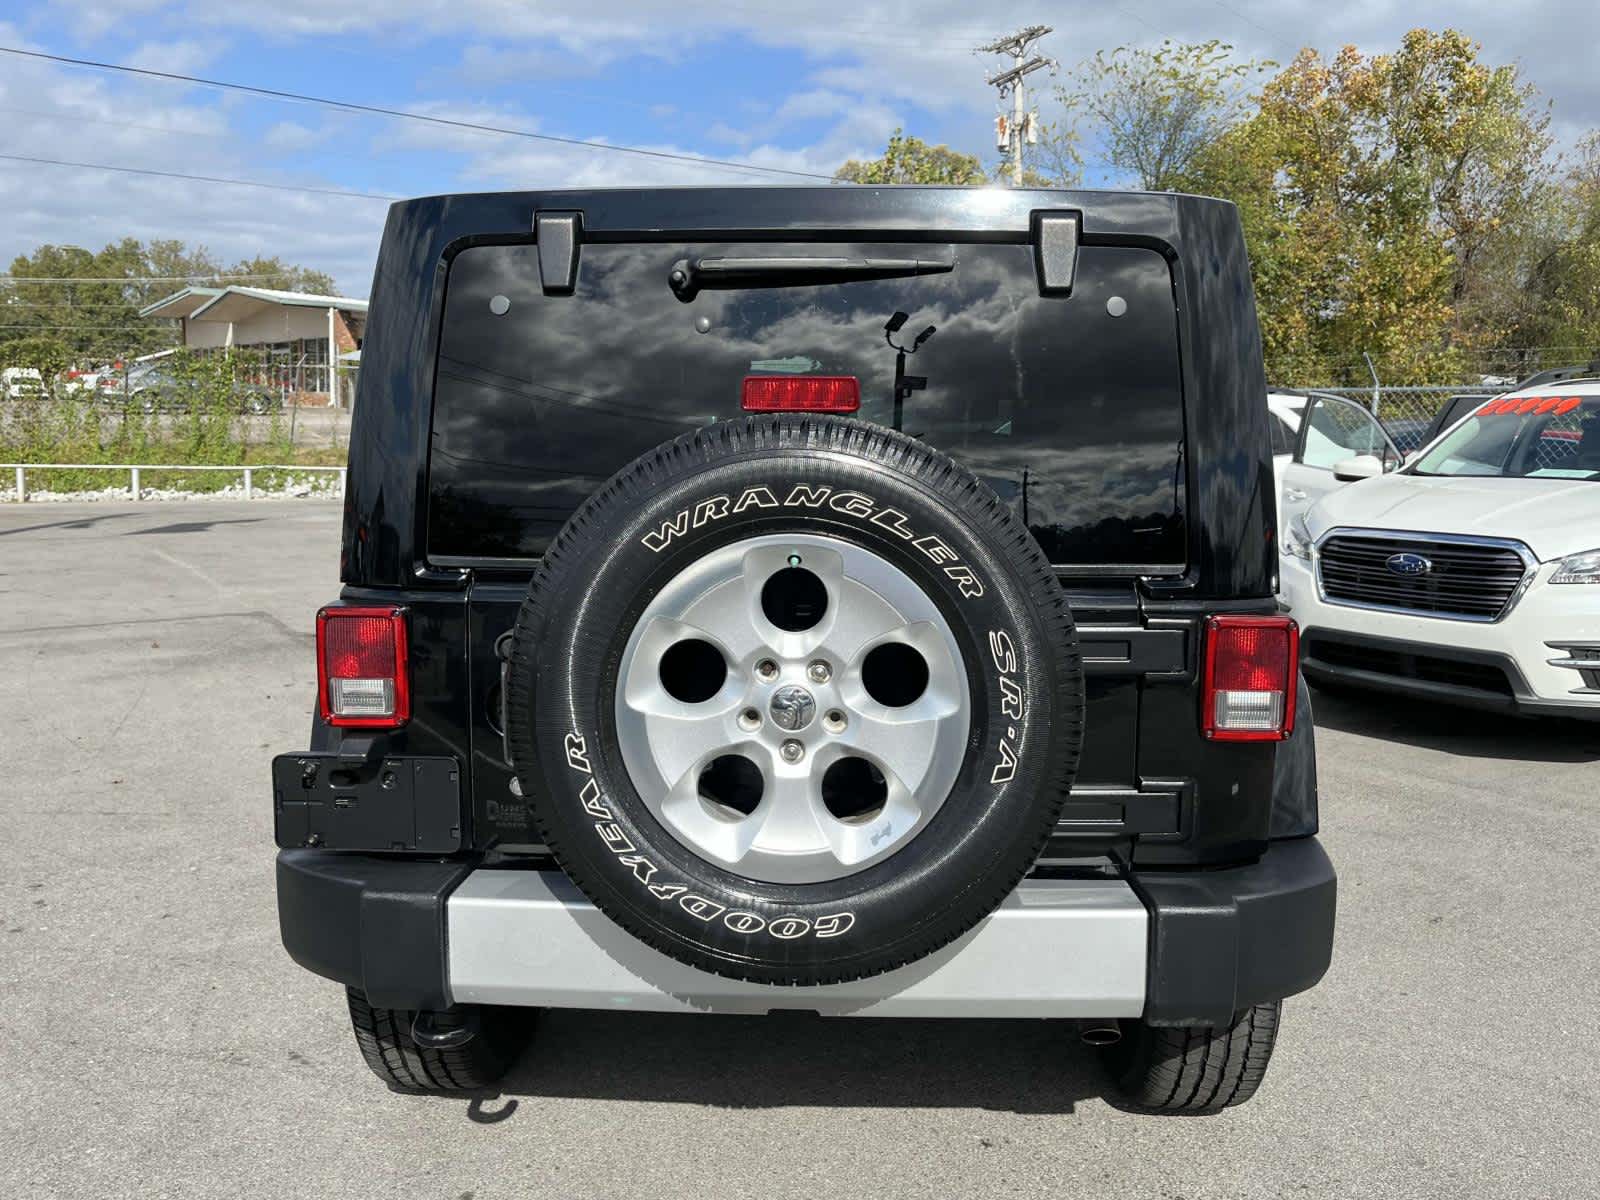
<point x="692" y="655"/>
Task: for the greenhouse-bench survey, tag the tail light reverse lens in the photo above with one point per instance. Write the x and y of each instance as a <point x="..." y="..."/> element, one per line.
<point x="362" y="674"/>
<point x="1251" y="672"/>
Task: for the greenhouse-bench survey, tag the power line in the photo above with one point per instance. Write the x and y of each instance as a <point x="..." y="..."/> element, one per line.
<point x="252" y="183"/>
<point x="1278" y="34"/>
<point x="68" y="328"/>
<point x="400" y="114"/>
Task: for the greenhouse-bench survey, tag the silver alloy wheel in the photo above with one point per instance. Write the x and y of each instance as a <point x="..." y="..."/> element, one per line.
<point x="907" y="753"/>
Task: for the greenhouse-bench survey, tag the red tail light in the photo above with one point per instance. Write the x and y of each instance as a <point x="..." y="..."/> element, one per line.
<point x="1251" y="670"/>
<point x="363" y="680"/>
<point x="802" y="393"/>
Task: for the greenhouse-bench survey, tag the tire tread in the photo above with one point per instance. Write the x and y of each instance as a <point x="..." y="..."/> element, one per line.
<point x="384" y="1038"/>
<point x="1196" y="1071"/>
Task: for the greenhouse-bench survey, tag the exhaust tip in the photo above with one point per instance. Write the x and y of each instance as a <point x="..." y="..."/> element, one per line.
<point x="1099" y="1033"/>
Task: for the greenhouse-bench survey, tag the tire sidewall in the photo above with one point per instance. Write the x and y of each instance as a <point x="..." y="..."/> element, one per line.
<point x="1025" y="701"/>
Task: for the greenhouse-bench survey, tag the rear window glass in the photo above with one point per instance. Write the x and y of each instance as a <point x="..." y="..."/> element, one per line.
<point x="1070" y="408"/>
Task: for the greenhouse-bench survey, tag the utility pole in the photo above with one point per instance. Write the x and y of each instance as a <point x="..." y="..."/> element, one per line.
<point x="1010" y="135"/>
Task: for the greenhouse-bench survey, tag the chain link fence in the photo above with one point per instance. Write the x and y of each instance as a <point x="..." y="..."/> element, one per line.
<point x="1407" y="412"/>
<point x="166" y="414"/>
<point x="267" y="399"/>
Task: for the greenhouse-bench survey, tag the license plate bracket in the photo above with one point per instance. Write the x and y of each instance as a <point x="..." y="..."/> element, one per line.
<point x="395" y="803"/>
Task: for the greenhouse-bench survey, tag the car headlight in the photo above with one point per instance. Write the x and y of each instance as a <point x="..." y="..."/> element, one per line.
<point x="1578" y="568"/>
<point x="1297" y="538"/>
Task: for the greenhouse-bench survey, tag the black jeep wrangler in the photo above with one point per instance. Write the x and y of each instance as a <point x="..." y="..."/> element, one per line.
<point x="855" y="600"/>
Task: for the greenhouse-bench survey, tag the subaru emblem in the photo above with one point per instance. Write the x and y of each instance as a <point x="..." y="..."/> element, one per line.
<point x="1408" y="564"/>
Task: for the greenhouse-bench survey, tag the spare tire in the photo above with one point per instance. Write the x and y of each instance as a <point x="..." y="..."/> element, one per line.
<point x="795" y="700"/>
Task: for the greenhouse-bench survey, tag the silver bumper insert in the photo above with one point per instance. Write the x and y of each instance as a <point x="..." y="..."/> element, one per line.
<point x="1054" y="948"/>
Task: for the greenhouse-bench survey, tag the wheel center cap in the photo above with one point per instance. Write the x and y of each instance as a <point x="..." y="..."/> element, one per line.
<point x="792" y="707"/>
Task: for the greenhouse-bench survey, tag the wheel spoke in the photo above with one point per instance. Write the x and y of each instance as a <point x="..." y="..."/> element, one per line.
<point x="685" y="745"/>
<point x="791" y="818"/>
<point x="727" y="612"/>
<point x="862" y="618"/>
<point x="946" y="685"/>
<point x="722" y="834"/>
<point x="640" y="687"/>
<point x="907" y="740"/>
<point x="902" y="749"/>
<point x="856" y="841"/>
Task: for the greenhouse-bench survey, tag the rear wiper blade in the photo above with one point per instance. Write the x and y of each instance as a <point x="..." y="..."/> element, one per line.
<point x="691" y="276"/>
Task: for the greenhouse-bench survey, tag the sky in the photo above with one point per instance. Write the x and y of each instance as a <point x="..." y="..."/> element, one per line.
<point x="796" y="86"/>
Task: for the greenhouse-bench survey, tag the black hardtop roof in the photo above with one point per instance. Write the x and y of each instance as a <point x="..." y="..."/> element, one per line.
<point x="1226" y="454"/>
<point x="911" y="209"/>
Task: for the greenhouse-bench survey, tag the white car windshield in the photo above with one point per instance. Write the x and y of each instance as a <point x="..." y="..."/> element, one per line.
<point x="1529" y="437"/>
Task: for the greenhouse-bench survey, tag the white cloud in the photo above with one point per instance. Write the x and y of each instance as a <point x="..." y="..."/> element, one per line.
<point x="291" y="136"/>
<point x="161" y="128"/>
<point x="804" y="106"/>
<point x="725" y="134"/>
<point x="185" y="56"/>
<point x="888" y="49"/>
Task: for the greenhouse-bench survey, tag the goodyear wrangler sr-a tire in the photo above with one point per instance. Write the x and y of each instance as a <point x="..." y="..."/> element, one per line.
<point x="795" y="700"/>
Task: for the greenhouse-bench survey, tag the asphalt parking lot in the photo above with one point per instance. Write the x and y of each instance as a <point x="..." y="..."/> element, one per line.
<point x="156" y="1041"/>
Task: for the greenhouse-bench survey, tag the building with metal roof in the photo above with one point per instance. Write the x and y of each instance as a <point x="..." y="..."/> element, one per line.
<point x="300" y="336"/>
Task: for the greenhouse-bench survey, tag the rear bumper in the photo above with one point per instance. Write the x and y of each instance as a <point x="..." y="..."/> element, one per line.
<point x="1176" y="948"/>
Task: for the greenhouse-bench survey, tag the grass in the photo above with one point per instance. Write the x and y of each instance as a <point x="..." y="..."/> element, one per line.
<point x="210" y="433"/>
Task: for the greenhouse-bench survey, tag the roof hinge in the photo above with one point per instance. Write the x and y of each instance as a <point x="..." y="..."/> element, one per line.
<point x="1055" y="251"/>
<point x="557" y="235"/>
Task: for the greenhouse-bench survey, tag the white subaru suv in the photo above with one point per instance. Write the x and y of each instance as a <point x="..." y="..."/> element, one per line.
<point x="1472" y="574"/>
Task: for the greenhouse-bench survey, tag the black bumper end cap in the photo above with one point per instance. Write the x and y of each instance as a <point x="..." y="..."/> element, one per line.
<point x="374" y="924"/>
<point x="1221" y="941"/>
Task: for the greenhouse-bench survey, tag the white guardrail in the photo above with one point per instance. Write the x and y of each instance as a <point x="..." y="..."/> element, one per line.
<point x="134" y="490"/>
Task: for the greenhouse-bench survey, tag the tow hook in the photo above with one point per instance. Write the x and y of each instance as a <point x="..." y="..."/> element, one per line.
<point x="444" y="1031"/>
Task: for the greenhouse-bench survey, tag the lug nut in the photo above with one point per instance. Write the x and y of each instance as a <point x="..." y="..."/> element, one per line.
<point x="749" y="720"/>
<point x="792" y="751"/>
<point x="818" y="672"/>
<point x="766" y="670"/>
<point x="834" y="721"/>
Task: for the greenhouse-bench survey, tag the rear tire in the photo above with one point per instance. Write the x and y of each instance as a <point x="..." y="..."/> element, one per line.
<point x="1192" y="1072"/>
<point x="384" y="1036"/>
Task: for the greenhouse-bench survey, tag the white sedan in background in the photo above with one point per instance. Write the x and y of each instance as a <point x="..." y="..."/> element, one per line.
<point x="1470" y="575"/>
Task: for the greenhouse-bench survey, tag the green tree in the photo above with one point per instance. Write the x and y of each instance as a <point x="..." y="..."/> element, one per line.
<point x="77" y="297"/>
<point x="1559" y="283"/>
<point x="1054" y="161"/>
<point x="1156" y="110"/>
<point x="276" y="274"/>
<point x="1375" y="193"/>
<point x="911" y="160"/>
<point x="89" y="301"/>
<point x="48" y="356"/>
